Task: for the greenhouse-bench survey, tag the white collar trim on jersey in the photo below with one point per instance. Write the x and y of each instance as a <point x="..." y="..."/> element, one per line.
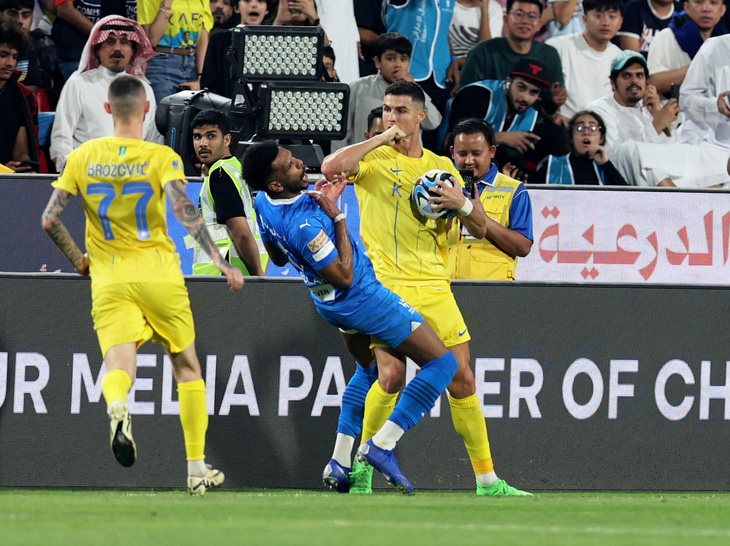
<point x="284" y="201"/>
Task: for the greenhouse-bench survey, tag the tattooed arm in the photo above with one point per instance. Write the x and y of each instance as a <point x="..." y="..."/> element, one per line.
<point x="192" y="221"/>
<point x="51" y="222"/>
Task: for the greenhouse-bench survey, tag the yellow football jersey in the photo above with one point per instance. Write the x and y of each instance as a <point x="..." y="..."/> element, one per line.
<point x="405" y="247"/>
<point x="121" y="182"/>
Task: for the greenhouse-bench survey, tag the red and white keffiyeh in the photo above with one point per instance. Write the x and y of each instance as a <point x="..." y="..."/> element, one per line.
<point x="120" y="26"/>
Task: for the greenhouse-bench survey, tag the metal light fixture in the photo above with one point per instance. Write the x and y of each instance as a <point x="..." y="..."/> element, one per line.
<point x="304" y="110"/>
<point x="265" y="53"/>
<point x="278" y="93"/>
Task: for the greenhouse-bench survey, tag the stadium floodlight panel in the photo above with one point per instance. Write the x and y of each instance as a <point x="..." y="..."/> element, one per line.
<point x="268" y="53"/>
<point x="316" y="110"/>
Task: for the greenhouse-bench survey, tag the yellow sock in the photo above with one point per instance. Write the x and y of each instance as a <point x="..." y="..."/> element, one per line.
<point x="115" y="386"/>
<point x="469" y="423"/>
<point x="378" y="407"/>
<point x="194" y="417"/>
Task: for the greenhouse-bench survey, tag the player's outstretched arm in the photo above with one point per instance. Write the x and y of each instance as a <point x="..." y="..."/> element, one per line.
<point x="339" y="273"/>
<point x="345" y="161"/>
<point x="192" y="221"/>
<point x="51" y="222"/>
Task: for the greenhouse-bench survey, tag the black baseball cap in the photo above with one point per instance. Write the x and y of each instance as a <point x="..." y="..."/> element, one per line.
<point x="532" y="70"/>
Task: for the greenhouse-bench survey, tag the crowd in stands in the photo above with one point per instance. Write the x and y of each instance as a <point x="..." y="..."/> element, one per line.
<point x="576" y="91"/>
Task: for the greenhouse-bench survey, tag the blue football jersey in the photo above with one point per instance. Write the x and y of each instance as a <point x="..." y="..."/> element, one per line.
<point x="306" y="236"/>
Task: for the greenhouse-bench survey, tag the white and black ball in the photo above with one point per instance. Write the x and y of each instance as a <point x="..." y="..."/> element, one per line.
<point x="424" y="187"/>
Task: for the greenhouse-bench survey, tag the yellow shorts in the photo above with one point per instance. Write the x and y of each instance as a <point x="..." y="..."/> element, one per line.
<point x="134" y="312"/>
<point x="437" y="305"/>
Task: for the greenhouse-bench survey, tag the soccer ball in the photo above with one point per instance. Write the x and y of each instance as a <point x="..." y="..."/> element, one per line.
<point x="423" y="188"/>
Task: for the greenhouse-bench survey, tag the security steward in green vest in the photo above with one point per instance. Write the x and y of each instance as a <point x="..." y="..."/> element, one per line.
<point x="225" y="201"/>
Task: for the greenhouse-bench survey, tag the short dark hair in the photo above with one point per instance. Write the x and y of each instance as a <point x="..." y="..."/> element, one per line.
<point x="328" y="52"/>
<point x="510" y="3"/>
<point x="212" y="117"/>
<point x="603" y="5"/>
<point x="599" y="119"/>
<point x="256" y="164"/>
<point x="124" y="93"/>
<point x="404" y="87"/>
<point x="13" y="37"/>
<point x="16" y="4"/>
<point x="374" y="114"/>
<point x="472" y="126"/>
<point x="395" y="41"/>
<point x="126" y="85"/>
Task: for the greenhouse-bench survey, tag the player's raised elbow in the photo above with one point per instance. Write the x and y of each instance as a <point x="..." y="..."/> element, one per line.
<point x="331" y="166"/>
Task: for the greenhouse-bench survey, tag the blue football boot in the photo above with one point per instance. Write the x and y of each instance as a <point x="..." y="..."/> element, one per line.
<point x="336" y="477"/>
<point x="386" y="463"/>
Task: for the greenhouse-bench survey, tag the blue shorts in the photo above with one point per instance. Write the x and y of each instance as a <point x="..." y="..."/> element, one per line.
<point x="382" y="314"/>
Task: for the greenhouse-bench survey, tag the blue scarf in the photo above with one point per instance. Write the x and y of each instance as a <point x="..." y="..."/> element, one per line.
<point x="688" y="35"/>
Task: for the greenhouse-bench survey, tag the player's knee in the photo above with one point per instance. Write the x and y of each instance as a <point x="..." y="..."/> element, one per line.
<point x="392" y="379"/>
<point x="463" y="384"/>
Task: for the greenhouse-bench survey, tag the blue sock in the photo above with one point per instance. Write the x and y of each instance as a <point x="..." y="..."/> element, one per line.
<point x="421" y="393"/>
<point x="353" y="400"/>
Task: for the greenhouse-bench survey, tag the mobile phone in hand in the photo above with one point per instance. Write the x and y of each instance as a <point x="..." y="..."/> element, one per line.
<point x="34" y="165"/>
<point x="467" y="175"/>
<point x="674" y="91"/>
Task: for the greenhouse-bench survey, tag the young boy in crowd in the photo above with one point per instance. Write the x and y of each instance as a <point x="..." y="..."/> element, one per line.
<point x="328" y="57"/>
<point x="20" y="14"/>
<point x="392" y="57"/>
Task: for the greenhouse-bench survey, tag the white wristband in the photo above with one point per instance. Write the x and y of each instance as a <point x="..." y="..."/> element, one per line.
<point x="340" y="216"/>
<point x="466" y="208"/>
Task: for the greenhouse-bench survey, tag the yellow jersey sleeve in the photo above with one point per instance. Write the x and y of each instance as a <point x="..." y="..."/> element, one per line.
<point x="171" y="168"/>
<point x="68" y="180"/>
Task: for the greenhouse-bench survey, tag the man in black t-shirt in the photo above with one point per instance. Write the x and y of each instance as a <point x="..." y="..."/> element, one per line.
<point x="20" y="14"/>
<point x="225" y="200"/>
<point x="73" y="24"/>
<point x="370" y="25"/>
<point x="18" y="145"/>
<point x="642" y="20"/>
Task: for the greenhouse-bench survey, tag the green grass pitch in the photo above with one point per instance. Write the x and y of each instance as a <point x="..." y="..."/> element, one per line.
<point x="271" y="517"/>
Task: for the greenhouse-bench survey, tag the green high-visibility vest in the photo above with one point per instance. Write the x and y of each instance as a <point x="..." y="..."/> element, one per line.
<point x="202" y="263"/>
